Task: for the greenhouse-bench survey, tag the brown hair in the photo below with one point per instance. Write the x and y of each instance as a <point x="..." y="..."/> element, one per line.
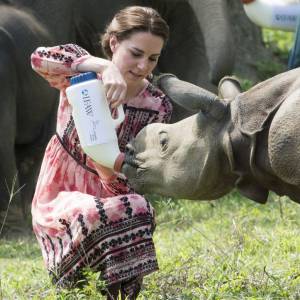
<point x="134" y="19"/>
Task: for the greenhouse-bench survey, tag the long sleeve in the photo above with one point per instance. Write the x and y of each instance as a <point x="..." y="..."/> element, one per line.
<point x="166" y="111"/>
<point x="57" y="63"/>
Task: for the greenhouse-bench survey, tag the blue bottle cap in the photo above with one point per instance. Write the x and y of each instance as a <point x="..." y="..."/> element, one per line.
<point x="83" y="77"/>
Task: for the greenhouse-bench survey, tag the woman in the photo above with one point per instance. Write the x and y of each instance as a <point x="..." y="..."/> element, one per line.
<point x="86" y="215"/>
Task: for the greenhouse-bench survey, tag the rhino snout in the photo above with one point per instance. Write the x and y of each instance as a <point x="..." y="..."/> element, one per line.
<point x="129" y="150"/>
<point x="130" y="156"/>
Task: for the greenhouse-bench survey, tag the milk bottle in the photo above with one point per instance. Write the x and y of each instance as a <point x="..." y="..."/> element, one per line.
<point x="92" y="117"/>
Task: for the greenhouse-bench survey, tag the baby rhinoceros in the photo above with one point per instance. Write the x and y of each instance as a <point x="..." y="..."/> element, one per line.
<point x="251" y="142"/>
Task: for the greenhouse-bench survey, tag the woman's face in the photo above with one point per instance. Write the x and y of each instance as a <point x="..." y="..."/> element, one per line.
<point x="137" y="56"/>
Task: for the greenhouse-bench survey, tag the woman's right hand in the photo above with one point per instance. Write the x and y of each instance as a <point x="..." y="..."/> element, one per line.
<point x="114" y="84"/>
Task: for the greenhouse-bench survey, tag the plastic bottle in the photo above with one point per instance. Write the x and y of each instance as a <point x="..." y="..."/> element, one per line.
<point x="275" y="14"/>
<point x="92" y="117"/>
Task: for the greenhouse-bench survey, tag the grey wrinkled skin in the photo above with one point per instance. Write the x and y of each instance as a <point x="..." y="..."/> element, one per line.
<point x="200" y="49"/>
<point x="251" y="142"/>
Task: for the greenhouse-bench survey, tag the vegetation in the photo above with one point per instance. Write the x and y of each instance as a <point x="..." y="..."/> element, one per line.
<point x="229" y="249"/>
<point x="232" y="248"/>
<point x="280" y="43"/>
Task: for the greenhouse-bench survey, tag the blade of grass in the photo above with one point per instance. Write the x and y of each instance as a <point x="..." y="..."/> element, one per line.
<point x="12" y="193"/>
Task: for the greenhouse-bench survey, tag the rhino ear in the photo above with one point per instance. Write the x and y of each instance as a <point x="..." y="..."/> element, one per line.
<point x="229" y="87"/>
<point x="191" y="97"/>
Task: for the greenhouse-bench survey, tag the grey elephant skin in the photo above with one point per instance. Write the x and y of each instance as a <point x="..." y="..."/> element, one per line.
<point x="26" y="101"/>
<point x="251" y="142"/>
<point x="200" y="49"/>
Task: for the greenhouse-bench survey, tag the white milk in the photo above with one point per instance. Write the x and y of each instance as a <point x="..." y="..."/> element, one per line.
<point x="276" y="14"/>
<point x="92" y="117"/>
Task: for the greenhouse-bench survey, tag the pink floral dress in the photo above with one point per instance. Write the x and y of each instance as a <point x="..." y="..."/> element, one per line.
<point x="79" y="218"/>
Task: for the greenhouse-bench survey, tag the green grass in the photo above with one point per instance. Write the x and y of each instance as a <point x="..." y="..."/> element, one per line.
<point x="232" y="248"/>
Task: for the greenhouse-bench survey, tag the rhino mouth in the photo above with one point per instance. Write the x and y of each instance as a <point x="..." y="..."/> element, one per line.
<point x="133" y="166"/>
<point x="132" y="161"/>
<point x="134" y="171"/>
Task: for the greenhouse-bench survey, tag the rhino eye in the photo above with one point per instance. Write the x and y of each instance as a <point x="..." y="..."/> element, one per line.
<point x="163" y="140"/>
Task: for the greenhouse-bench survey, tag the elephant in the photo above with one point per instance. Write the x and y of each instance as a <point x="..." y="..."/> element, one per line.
<point x="200" y="49"/>
<point x="27" y="102"/>
<point x="28" y="24"/>
<point x="245" y="140"/>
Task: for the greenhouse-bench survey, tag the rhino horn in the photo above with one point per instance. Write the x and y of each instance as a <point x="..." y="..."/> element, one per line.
<point x="191" y="97"/>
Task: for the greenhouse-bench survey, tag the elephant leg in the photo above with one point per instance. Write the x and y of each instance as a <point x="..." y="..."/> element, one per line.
<point x="284" y="140"/>
<point x="185" y="52"/>
<point x="213" y="18"/>
<point x="8" y="171"/>
<point x="229" y="87"/>
<point x="28" y="159"/>
<point x="10" y="200"/>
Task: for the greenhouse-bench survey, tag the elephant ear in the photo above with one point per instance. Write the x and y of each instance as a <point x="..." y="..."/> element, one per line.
<point x="191" y="97"/>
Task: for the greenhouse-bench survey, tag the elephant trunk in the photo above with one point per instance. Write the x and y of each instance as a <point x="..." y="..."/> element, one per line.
<point x="191" y="97"/>
<point x="213" y="19"/>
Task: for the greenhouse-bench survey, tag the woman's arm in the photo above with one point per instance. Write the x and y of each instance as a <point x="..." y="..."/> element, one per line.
<point x="113" y="81"/>
<point x="57" y="63"/>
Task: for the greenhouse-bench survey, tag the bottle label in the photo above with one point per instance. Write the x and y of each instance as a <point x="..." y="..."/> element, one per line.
<point x="94" y="131"/>
<point x="285" y="16"/>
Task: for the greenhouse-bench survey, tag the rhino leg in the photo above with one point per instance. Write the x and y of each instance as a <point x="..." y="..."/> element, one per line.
<point x="284" y="140"/>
